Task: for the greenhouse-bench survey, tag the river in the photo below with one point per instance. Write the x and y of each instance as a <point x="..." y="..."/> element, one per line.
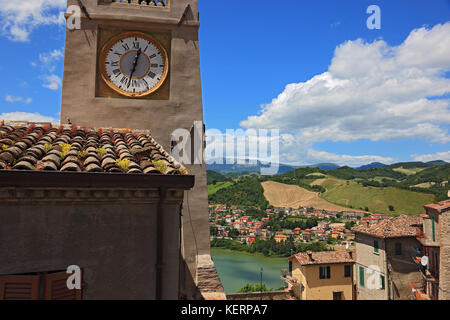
<point x="235" y="269"/>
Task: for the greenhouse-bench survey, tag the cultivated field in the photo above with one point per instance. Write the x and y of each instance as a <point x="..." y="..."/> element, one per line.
<point x="378" y="200"/>
<point x="290" y="196"/>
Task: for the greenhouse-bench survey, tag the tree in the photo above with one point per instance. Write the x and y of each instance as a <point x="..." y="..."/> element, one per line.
<point x="391" y="208"/>
<point x="254" y="288"/>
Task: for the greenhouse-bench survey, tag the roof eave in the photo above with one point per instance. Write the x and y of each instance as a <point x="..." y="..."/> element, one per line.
<point x="36" y="179"/>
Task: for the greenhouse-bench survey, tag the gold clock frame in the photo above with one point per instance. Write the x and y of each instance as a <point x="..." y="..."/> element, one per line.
<point x="106" y="48"/>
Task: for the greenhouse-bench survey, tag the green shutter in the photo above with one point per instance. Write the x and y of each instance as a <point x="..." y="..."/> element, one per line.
<point x="375" y="246"/>
<point x="382" y="282"/>
<point x="434" y="229"/>
<point x="361" y="276"/>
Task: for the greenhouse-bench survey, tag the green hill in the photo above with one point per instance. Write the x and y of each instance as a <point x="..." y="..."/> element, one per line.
<point x="245" y="192"/>
<point x="213" y="177"/>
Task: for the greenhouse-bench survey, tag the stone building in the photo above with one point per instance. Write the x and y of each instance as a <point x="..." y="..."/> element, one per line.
<point x="385" y="259"/>
<point x="433" y="235"/>
<point x="133" y="64"/>
<point x="107" y="201"/>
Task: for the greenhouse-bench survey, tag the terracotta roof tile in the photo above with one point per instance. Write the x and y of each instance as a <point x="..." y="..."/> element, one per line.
<point x="439" y="206"/>
<point x="395" y="227"/>
<point x="326" y="257"/>
<point x="34" y="146"/>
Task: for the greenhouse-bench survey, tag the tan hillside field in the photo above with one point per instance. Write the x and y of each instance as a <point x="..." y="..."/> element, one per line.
<point x="290" y="196"/>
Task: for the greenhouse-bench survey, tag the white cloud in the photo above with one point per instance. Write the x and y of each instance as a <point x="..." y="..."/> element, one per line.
<point x="20" y="18"/>
<point x="49" y="59"/>
<point x="290" y="150"/>
<point x="52" y="82"/>
<point x="26" y="116"/>
<point x="431" y="157"/>
<point x="370" y="91"/>
<point x="13" y="99"/>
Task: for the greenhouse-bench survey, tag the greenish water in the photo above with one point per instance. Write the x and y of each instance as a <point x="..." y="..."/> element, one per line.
<point x="235" y="269"/>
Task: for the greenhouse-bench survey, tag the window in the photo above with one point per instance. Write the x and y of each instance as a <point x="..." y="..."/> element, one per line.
<point x="324" y="273"/>
<point x="361" y="276"/>
<point x="49" y="286"/>
<point x="398" y="249"/>
<point x="375" y="246"/>
<point x="347" y="271"/>
<point x="337" y="295"/>
<point x="382" y="282"/>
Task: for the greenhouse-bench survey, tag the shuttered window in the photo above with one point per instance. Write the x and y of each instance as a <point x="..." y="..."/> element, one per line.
<point x="55" y="287"/>
<point x="347" y="271"/>
<point x="50" y="286"/>
<point x="375" y="246"/>
<point x="19" y="287"/>
<point x="361" y="276"/>
<point x="324" y="273"/>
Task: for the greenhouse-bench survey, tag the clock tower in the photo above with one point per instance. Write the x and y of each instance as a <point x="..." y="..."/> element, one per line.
<point x="135" y="64"/>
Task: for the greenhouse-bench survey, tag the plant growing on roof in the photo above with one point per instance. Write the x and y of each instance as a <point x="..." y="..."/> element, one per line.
<point x="160" y="166"/>
<point x="47" y="147"/>
<point x="101" y="152"/>
<point x="123" y="164"/>
<point x="5" y="146"/>
<point x="82" y="154"/>
<point x="65" y="148"/>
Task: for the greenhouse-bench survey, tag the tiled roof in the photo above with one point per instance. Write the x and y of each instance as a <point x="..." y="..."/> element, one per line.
<point x="439" y="206"/>
<point x="325" y="257"/>
<point x="34" y="146"/>
<point x="395" y="227"/>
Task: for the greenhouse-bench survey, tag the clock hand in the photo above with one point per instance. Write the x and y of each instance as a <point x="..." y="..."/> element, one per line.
<point x="134" y="66"/>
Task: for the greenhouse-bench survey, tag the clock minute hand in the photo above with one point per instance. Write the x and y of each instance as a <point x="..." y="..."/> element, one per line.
<point x="134" y="66"/>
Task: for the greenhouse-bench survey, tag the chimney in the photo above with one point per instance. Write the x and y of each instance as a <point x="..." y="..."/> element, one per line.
<point x="309" y="252"/>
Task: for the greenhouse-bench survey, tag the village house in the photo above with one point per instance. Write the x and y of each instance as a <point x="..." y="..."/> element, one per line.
<point x="321" y="275"/>
<point x="434" y="238"/>
<point x="307" y="235"/>
<point x="385" y="259"/>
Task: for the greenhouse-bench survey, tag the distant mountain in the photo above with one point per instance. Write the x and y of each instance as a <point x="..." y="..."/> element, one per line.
<point x="371" y="166"/>
<point x="247" y="168"/>
<point x="437" y="162"/>
<point x="325" y="166"/>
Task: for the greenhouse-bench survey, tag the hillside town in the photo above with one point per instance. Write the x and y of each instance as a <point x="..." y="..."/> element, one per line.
<point x="226" y="221"/>
<point x="369" y="256"/>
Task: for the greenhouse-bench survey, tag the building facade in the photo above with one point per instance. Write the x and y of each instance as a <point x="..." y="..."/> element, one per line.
<point x="166" y="32"/>
<point x="106" y="201"/>
<point x="385" y="259"/>
<point x="321" y="275"/>
<point x="433" y="235"/>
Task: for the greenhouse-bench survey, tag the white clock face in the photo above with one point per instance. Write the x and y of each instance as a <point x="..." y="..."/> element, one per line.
<point x="135" y="65"/>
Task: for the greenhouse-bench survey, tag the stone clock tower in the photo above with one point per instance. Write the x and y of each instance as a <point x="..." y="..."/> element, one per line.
<point x="135" y="64"/>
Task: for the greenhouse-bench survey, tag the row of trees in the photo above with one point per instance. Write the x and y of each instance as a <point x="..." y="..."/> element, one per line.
<point x="270" y="247"/>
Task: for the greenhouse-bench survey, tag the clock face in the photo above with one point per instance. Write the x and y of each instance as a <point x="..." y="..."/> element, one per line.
<point x="134" y="64"/>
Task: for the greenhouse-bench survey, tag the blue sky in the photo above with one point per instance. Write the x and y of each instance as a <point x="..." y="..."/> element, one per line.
<point x="251" y="50"/>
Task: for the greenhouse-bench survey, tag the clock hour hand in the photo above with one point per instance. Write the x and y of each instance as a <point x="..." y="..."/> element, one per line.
<point x="134" y="66"/>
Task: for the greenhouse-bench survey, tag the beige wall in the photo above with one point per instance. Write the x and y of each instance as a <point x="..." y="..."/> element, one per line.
<point x="162" y="117"/>
<point x="322" y="289"/>
<point x="444" y="273"/>
<point x="402" y="269"/>
<point x="365" y="257"/>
